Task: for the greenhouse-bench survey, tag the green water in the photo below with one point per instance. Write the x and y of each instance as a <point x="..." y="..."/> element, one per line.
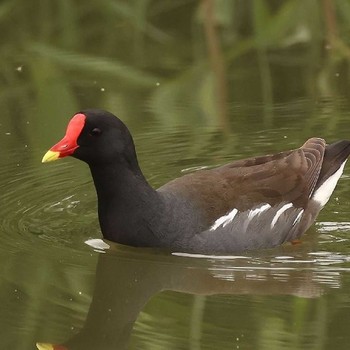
<point x="199" y="83"/>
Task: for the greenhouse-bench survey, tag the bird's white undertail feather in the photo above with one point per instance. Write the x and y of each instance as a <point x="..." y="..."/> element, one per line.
<point x="323" y="193"/>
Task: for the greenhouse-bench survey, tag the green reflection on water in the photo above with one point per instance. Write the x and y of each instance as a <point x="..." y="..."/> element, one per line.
<point x="199" y="83"/>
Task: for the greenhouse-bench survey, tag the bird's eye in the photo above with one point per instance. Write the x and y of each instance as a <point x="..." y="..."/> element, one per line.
<point x="95" y="132"/>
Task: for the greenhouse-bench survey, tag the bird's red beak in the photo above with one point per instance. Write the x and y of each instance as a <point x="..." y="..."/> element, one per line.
<point x="68" y="144"/>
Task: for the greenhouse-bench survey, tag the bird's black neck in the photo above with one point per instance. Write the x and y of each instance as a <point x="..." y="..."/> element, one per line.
<point x="128" y="207"/>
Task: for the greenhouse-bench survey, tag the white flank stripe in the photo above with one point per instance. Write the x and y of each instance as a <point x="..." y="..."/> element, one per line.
<point x="297" y="219"/>
<point x="325" y="191"/>
<point x="258" y="211"/>
<point x="279" y="213"/>
<point x="224" y="220"/>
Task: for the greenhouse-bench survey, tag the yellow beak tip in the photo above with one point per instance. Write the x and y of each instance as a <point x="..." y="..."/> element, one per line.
<point x="48" y="346"/>
<point x="50" y="156"/>
<point x="44" y="346"/>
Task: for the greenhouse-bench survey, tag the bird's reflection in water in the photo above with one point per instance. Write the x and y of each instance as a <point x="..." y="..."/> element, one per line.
<point x="126" y="280"/>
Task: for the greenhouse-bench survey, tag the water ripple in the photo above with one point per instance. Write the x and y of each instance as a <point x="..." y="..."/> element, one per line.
<point x="49" y="202"/>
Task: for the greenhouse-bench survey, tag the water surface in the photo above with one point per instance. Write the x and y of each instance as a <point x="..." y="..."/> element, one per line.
<point x="198" y="88"/>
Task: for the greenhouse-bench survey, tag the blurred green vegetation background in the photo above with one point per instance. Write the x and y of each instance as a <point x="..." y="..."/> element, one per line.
<point x="207" y="57"/>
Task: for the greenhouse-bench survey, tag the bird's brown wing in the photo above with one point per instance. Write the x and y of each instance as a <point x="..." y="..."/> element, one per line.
<point x="286" y="177"/>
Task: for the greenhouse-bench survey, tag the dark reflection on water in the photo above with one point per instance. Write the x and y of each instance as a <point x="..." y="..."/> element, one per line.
<point x="199" y="83"/>
<point x="126" y="279"/>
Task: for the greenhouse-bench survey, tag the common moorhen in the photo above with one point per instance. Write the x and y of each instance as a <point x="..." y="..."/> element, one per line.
<point x="253" y="203"/>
